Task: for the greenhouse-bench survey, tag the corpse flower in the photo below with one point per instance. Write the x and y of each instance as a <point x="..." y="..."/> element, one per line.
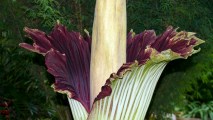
<point x="79" y="63"/>
<point x="67" y="57"/>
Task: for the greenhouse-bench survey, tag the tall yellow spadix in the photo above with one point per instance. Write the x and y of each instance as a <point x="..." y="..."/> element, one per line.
<point x="108" y="42"/>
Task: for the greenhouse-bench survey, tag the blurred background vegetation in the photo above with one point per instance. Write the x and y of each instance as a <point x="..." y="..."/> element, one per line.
<point x="185" y="86"/>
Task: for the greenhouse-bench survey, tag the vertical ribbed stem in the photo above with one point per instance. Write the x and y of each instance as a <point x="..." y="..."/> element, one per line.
<point x="131" y="94"/>
<point x="78" y="111"/>
<point x="108" y="42"/>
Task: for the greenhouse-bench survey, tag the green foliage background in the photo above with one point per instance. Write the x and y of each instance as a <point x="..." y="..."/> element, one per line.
<point x="24" y="80"/>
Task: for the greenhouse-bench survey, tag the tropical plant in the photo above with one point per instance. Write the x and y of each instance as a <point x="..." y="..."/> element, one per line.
<point x="192" y="15"/>
<point x="67" y="57"/>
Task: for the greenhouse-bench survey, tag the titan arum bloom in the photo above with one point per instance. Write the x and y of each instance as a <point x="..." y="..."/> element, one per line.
<point x="82" y="66"/>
